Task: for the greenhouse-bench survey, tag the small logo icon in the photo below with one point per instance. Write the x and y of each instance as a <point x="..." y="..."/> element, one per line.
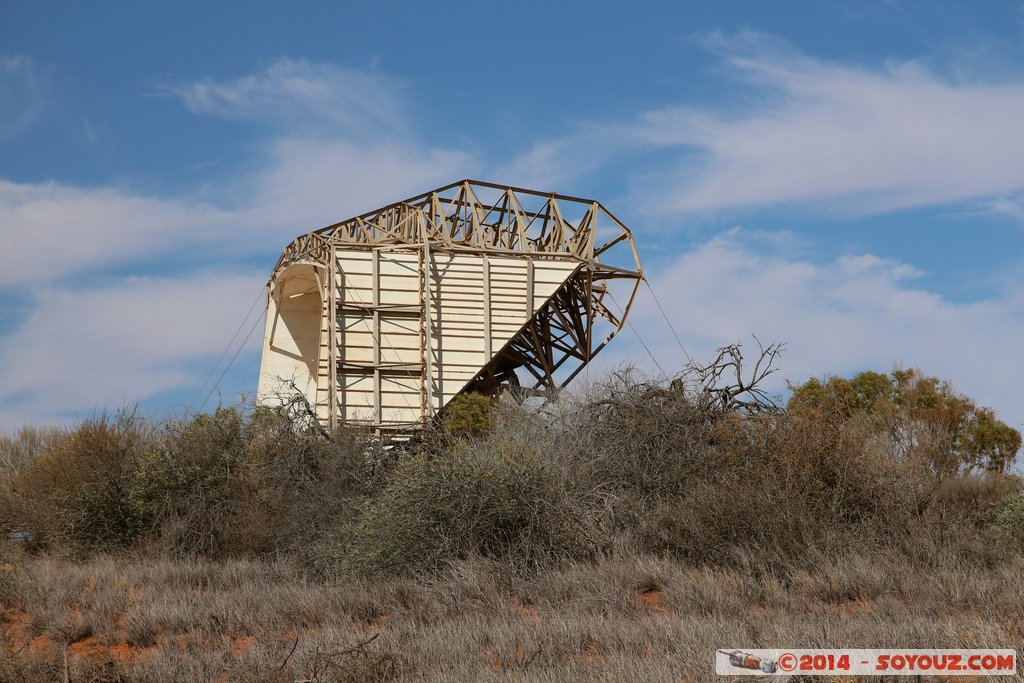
<point x="742" y="660"/>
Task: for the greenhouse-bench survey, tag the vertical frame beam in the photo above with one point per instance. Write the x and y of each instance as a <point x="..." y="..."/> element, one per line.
<point x="376" y="333"/>
<point x="427" y="271"/>
<point x="424" y="391"/>
<point x="487" y="307"/>
<point x="332" y="302"/>
<point x="529" y="289"/>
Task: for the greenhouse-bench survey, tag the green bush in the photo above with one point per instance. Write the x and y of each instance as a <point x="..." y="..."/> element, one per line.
<point x="1010" y="520"/>
<point x="469" y="415"/>
<point x="923" y="416"/>
<point x="187" y="486"/>
<point x="78" y="492"/>
<point x="493" y="501"/>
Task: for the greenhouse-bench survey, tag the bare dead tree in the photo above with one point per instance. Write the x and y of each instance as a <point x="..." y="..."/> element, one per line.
<point x="724" y="385"/>
<point x="290" y="402"/>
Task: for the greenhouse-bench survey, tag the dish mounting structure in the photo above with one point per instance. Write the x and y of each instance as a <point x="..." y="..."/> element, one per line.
<point x="381" y="320"/>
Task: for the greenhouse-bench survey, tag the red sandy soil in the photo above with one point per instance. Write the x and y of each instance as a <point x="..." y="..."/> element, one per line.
<point x="98" y="650"/>
<point x="239" y="646"/>
<point x="528" y="614"/>
<point x="16" y="632"/>
<point x="17" y="629"/>
<point x="860" y="605"/>
<point x="651" y="600"/>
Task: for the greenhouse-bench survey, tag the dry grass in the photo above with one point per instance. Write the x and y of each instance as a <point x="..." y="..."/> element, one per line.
<point x="639" y="618"/>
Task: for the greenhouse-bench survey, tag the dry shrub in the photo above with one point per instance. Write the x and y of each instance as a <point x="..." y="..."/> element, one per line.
<point x="78" y="491"/>
<point x="491" y="499"/>
<point x="790" y="490"/>
<point x="664" y="472"/>
<point x="27" y="443"/>
<point x="654" y="469"/>
<point x="20" y="669"/>
<point x="232" y="484"/>
<point x="220" y="484"/>
<point x="979" y="492"/>
<point x="186" y="485"/>
<point x="632" y="466"/>
<point x="641" y="437"/>
<point x="295" y="489"/>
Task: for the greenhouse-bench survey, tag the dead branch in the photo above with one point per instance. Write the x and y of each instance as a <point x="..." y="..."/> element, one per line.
<point x="290" y="402"/>
<point x="722" y="385"/>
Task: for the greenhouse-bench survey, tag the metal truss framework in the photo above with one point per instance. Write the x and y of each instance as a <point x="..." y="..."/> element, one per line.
<point x="487" y="220"/>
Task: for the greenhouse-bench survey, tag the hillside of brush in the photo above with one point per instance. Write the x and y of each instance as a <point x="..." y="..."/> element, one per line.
<point x="624" y="532"/>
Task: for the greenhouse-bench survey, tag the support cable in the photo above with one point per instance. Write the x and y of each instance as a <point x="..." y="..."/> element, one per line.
<point x="226" y="349"/>
<point x="637" y="335"/>
<point x="231" y="362"/>
<point x="669" y="322"/>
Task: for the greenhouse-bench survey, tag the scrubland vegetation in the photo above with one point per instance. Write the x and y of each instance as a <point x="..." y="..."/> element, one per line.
<point x="622" y="533"/>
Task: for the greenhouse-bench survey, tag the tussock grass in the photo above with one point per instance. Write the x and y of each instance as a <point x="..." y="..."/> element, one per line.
<point x="609" y="619"/>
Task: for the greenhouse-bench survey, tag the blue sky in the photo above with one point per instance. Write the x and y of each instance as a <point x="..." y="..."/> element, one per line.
<point x="844" y="177"/>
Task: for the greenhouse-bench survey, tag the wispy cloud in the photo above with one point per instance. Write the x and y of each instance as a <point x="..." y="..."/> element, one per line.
<point x="558" y="162"/>
<point x="52" y="230"/>
<point x="1009" y="205"/>
<point x="309" y="182"/>
<point x="874" y="139"/>
<point x="101" y="347"/>
<point x="300" y="182"/>
<point x="24" y="89"/>
<point x="844" y="315"/>
<point x="853" y="138"/>
<point x="298" y="94"/>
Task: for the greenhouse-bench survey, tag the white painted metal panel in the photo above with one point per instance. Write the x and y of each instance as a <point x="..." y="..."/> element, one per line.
<point x="382" y="321"/>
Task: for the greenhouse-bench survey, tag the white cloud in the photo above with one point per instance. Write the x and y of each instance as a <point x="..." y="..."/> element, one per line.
<point x="872" y="139"/>
<point x="299" y="94"/>
<point x="102" y="347"/>
<point x="24" y="88"/>
<point x="1009" y="205"/>
<point x="850" y="314"/>
<point x="86" y="346"/>
<point x="559" y="162"/>
<point x="851" y="138"/>
<point x="308" y="183"/>
<point x="51" y="230"/>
